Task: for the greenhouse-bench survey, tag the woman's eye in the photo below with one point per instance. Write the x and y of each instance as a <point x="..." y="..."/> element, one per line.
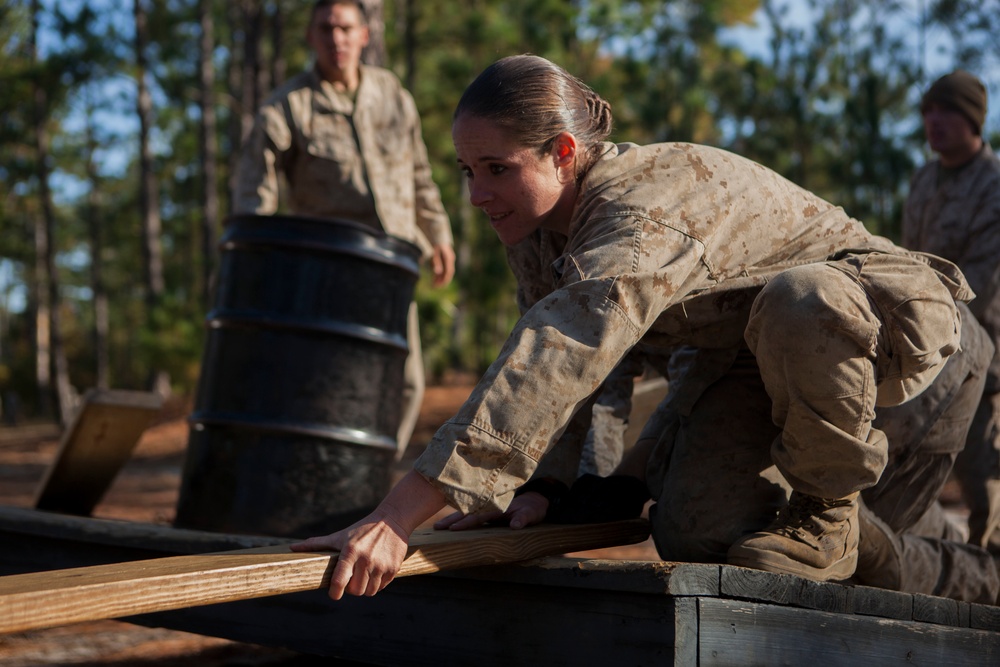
<point x="497" y="168"/>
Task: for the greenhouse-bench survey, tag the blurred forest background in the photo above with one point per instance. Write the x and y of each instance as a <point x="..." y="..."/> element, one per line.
<point x="121" y="121"/>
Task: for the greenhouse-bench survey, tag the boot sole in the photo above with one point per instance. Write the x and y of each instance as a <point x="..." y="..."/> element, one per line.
<point x="770" y="561"/>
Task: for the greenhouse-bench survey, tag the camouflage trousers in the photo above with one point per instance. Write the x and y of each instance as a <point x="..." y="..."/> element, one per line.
<point x="413" y="383"/>
<point x="978" y="471"/>
<point x="796" y="409"/>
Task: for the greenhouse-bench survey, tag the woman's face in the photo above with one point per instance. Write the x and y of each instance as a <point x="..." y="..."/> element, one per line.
<point x="518" y="189"/>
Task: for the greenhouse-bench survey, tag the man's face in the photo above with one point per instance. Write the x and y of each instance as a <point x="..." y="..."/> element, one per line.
<point x="947" y="130"/>
<point x="337" y="37"/>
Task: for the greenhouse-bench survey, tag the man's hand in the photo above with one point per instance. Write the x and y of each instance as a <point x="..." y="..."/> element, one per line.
<point x="443" y="264"/>
<point x="525" y="510"/>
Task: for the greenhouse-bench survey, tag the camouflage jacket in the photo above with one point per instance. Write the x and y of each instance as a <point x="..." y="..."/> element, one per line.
<point x="956" y="214"/>
<point x="669" y="244"/>
<point x="365" y="161"/>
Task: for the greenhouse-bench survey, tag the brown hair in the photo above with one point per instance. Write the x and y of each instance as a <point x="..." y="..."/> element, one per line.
<point x="330" y="3"/>
<point x="535" y="100"/>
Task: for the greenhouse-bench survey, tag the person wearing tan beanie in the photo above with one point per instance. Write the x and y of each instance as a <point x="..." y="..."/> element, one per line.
<point x="953" y="211"/>
<point x="954" y="111"/>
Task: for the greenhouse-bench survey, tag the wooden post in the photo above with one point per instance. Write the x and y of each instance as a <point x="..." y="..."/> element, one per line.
<point x="94" y="447"/>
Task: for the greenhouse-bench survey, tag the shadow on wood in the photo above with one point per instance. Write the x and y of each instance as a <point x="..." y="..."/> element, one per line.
<point x="554" y="611"/>
<point x="94" y="447"/>
<point x="48" y="599"/>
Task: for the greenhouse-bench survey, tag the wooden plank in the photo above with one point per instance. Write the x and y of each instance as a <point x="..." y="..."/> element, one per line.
<point x="686" y="632"/>
<point x="94" y="447"/>
<point x="438" y="620"/>
<point x="984" y="617"/>
<point x="48" y="599"/>
<point x="77" y="531"/>
<point x="651" y="577"/>
<point x="930" y="609"/>
<point x="870" y="601"/>
<point x="742" y="582"/>
<point x="735" y="632"/>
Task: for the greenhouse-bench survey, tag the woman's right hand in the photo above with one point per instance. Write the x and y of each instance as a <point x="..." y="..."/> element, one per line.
<point x="371" y="553"/>
<point x="525" y="510"/>
<point x="372" y="550"/>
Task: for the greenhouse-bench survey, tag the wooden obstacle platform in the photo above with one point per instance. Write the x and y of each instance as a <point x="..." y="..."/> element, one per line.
<point x="553" y="610"/>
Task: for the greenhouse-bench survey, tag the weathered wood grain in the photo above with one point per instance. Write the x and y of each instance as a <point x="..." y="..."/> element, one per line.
<point x="869" y="601"/>
<point x="742" y="582"/>
<point x="650" y="577"/>
<point x="94" y="447"/>
<point x="735" y="632"/>
<point x="48" y="599"/>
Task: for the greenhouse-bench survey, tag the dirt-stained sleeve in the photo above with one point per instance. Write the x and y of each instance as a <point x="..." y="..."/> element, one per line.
<point x="557" y="356"/>
<point x="261" y="158"/>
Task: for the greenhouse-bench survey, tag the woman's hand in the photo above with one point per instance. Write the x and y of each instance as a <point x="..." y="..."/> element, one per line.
<point x="371" y="553"/>
<point x="525" y="510"/>
<point x="372" y="550"/>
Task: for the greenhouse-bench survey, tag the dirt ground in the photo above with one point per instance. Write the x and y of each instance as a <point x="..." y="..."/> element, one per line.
<point x="146" y="490"/>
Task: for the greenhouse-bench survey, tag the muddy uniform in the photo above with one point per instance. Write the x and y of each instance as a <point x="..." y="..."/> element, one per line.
<point x="955" y="213"/>
<point x="795" y="341"/>
<point x="360" y="159"/>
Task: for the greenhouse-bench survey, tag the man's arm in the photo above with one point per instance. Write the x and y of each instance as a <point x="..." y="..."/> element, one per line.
<point x="261" y="158"/>
<point x="431" y="218"/>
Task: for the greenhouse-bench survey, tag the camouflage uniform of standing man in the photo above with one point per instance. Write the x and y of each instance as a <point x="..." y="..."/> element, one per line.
<point x="953" y="211"/>
<point x="347" y="139"/>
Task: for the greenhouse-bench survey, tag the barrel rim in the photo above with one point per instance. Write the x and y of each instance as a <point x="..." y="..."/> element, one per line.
<point x="223" y="318"/>
<point x="200" y="419"/>
<point x="397" y="244"/>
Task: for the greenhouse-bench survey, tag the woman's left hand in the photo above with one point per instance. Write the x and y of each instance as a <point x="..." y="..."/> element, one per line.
<point x="525" y="510"/>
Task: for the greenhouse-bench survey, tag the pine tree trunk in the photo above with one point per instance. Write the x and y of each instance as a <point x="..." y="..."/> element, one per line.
<point x="101" y="330"/>
<point x="149" y="201"/>
<point x="374" y="53"/>
<point x="209" y="151"/>
<point x="51" y="356"/>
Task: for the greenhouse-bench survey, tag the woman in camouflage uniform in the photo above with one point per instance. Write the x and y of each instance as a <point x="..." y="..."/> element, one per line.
<point x="798" y="322"/>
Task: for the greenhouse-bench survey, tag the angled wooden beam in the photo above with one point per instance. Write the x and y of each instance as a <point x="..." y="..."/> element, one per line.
<point x="48" y="599"/>
<point x="94" y="447"/>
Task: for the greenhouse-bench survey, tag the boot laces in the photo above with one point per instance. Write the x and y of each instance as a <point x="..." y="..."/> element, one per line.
<point x="802" y="512"/>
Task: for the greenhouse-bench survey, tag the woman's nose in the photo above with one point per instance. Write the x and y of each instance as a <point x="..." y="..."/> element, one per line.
<point x="479" y="196"/>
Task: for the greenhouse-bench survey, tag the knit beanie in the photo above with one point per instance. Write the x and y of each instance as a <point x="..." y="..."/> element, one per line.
<point x="962" y="92"/>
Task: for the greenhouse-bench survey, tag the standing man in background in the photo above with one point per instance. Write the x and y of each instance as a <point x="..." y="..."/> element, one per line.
<point x="347" y="139"/>
<point x="953" y="211"/>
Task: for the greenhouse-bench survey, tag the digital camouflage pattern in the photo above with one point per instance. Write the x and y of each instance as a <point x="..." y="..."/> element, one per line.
<point x="682" y="245"/>
<point x="362" y="159"/>
<point x="955" y="213"/>
<point x="670" y="244"/>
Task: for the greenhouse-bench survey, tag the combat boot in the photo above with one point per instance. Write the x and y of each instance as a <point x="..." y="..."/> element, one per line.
<point x="812" y="537"/>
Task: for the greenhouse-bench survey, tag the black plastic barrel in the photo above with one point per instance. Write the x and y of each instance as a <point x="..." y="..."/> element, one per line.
<point x="294" y="426"/>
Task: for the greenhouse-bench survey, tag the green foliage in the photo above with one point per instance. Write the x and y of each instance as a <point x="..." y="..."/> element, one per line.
<point x="830" y="103"/>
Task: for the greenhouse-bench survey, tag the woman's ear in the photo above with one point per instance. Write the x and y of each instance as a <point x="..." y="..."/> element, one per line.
<point x="564" y="149"/>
